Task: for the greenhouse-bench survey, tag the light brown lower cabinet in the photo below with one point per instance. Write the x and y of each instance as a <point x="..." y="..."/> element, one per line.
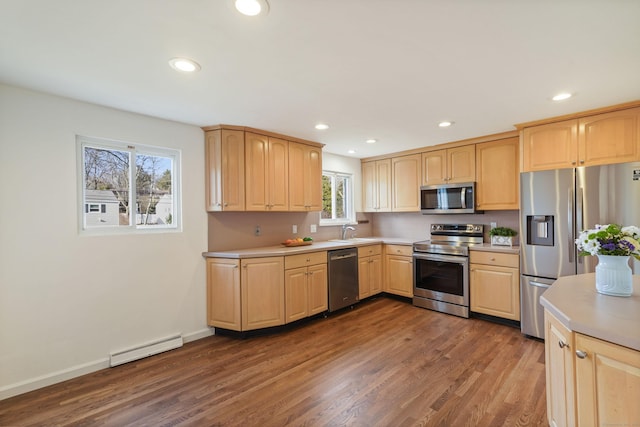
<point x="369" y="270"/>
<point x="398" y="266"/>
<point x="245" y="294"/>
<point x="305" y="284"/>
<point x="494" y="284"/>
<point x="590" y="382"/>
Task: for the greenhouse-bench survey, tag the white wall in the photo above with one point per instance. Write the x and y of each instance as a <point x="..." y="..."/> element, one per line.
<point x="67" y="301"/>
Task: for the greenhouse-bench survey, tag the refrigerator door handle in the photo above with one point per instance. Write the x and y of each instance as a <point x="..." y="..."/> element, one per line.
<point x="580" y="214"/>
<point x="538" y="284"/>
<point x="570" y="235"/>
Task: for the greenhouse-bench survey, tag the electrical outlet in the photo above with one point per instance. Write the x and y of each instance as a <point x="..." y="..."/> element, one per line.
<point x="314" y="228"/>
<point x="494" y="225"/>
<point x="294" y="229"/>
<point x="258" y="230"/>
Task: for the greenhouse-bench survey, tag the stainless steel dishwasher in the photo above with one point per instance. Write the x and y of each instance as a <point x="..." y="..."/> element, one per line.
<point x="343" y="278"/>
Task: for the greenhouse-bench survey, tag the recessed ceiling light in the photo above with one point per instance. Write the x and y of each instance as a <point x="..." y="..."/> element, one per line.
<point x="184" y="64"/>
<point x="351" y="151"/>
<point x="445" y="124"/>
<point x="322" y="126"/>
<point x="371" y="141"/>
<point x="252" y="7"/>
<point x="562" y="96"/>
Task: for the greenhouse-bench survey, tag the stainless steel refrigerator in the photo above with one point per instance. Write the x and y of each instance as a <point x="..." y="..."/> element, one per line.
<point x="555" y="206"/>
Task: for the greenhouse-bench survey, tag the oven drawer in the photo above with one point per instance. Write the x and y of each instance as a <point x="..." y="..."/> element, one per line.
<point x="494" y="258"/>
<point x="398" y="250"/>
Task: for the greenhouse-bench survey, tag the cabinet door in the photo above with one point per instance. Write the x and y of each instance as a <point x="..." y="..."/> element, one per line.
<point x="461" y="164"/>
<point x="256" y="152"/>
<point x="407" y="173"/>
<point x="550" y="146"/>
<point x="434" y="167"/>
<point x="369" y="187"/>
<point x="296" y="294"/>
<point x="495" y="291"/>
<point x="318" y="292"/>
<point x="559" y="373"/>
<point x="278" y="175"/>
<point x="498" y="175"/>
<point x="609" y="138"/>
<point x="607" y="383"/>
<point x="305" y="177"/>
<point x="213" y="170"/>
<point x="363" y="277"/>
<point x="262" y="285"/>
<point x="232" y="150"/>
<point x="375" y="275"/>
<point x="383" y="175"/>
<point x="399" y="275"/>
<point x="223" y="293"/>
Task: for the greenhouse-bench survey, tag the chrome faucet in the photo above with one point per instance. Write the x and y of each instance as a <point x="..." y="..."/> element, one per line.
<point x="345" y="227"/>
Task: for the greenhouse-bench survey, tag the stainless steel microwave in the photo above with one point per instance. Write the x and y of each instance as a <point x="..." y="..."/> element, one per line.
<point x="448" y="198"/>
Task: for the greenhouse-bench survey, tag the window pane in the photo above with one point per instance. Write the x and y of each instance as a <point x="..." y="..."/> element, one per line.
<point x="326" y="198"/>
<point x="154" y="195"/>
<point x="341" y="197"/>
<point x="106" y="180"/>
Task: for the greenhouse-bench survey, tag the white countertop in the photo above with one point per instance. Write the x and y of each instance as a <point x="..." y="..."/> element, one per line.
<point x="280" y="250"/>
<point x="575" y="302"/>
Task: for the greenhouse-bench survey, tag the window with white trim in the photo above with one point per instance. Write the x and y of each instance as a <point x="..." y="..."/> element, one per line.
<point x="337" y="199"/>
<point x="126" y="187"/>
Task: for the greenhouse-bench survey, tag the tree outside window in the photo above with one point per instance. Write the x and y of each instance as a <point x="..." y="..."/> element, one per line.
<point x="337" y="198"/>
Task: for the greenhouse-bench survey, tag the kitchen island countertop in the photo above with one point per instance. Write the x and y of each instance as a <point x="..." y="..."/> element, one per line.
<point x="575" y="302"/>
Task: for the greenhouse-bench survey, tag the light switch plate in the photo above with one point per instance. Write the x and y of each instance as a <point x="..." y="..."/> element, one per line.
<point x="314" y="228"/>
<point x="294" y="229"/>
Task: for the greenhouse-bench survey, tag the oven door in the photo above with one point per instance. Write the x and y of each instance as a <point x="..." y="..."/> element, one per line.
<point x="441" y="278"/>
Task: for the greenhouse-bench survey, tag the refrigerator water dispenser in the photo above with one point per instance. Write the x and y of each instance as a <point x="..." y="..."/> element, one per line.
<point x="540" y="230"/>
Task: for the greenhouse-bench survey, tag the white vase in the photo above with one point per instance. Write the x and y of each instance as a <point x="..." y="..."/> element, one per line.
<point x="613" y="275"/>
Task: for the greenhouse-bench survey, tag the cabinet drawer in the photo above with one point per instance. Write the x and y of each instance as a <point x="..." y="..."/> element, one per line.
<point x="369" y="250"/>
<point x="494" y="258"/>
<point x="399" y="250"/>
<point x="303" y="260"/>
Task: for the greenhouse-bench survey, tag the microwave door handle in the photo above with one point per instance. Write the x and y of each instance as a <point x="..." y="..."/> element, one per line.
<point x="463" y="201"/>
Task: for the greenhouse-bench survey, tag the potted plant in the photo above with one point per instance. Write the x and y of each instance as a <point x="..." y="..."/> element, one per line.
<point x="502" y="236"/>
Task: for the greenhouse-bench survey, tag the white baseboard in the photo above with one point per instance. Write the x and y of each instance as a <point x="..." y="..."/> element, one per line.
<point x="77" y="371"/>
<point x="194" y="336"/>
<point x="53" y="378"/>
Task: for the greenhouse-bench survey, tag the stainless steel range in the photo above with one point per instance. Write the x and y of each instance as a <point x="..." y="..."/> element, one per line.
<point x="441" y="268"/>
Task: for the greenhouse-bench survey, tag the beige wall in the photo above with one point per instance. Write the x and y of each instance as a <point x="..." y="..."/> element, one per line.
<point x="67" y="301"/>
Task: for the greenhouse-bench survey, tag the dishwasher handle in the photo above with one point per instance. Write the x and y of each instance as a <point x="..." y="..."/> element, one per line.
<point x="335" y="257"/>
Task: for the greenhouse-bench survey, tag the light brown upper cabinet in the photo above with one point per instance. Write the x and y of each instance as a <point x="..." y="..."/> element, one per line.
<point x="449" y="166"/>
<point x="376" y="186"/>
<point x="407" y="171"/>
<point x="599" y="139"/>
<point x="497" y="170"/>
<point x="224" y="166"/>
<point x="267" y="173"/>
<point x="305" y="177"/>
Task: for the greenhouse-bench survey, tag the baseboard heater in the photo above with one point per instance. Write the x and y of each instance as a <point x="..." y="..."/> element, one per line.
<point x="145" y="350"/>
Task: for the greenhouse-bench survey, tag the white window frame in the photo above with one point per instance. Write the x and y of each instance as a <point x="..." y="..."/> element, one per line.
<point x="350" y="203"/>
<point x="133" y="149"/>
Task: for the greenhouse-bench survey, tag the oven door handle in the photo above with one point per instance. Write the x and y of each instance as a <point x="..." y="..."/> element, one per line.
<point x="441" y="258"/>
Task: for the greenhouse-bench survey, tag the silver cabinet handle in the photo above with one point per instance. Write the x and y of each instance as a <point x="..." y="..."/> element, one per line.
<point x="563" y="344"/>
<point x="581" y="354"/>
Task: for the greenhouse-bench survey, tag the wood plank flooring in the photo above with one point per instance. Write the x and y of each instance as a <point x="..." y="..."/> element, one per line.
<point x="384" y="363"/>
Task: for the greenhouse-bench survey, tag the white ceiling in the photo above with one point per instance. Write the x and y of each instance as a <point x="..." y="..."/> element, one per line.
<point x="384" y="69"/>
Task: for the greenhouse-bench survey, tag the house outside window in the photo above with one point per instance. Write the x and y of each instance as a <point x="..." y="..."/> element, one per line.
<point x="126" y="188"/>
<point x="337" y="199"/>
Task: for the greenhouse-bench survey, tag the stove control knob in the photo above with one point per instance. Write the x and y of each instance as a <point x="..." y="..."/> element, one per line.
<point x="476" y="228"/>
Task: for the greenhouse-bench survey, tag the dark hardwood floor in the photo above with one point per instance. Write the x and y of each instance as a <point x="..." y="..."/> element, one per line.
<point x="384" y="363"/>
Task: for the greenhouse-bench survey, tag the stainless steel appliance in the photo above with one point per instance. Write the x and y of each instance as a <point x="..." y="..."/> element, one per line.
<point x="555" y="206"/>
<point x="343" y="278"/>
<point x="441" y="268"/>
<point x="448" y="198"/>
